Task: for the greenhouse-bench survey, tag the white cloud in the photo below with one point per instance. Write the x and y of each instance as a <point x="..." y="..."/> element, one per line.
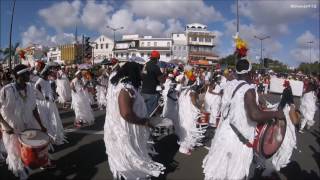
<point x="188" y="11"/>
<point x="275" y="17"/>
<point x="39" y="36"/>
<point x="95" y="15"/>
<point x="62" y="15"/>
<point x="302" y="52"/>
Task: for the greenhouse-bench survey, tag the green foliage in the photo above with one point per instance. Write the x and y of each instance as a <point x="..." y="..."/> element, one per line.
<point x="308" y="68"/>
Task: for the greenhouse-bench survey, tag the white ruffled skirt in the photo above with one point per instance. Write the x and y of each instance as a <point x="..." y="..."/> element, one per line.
<point x="82" y="107"/>
<point x="63" y="90"/>
<point x="101" y="96"/>
<point x="50" y="118"/>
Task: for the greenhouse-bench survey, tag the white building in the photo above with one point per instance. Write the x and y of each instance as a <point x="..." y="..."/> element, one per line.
<point x="132" y="45"/>
<point x="200" y="42"/>
<point x="179" y="47"/>
<point x="54" y="55"/>
<point x="102" y="48"/>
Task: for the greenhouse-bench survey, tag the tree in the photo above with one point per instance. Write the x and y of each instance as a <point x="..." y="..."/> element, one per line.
<point x="228" y="60"/>
<point x="6" y="54"/>
<point x="308" y="68"/>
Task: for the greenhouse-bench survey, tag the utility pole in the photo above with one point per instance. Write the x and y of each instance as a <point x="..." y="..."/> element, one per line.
<point x="10" y="35"/>
<point x="82" y="49"/>
<point x="114" y="35"/>
<point x="261" y="39"/>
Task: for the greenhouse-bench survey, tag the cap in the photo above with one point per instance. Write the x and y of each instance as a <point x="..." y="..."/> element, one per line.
<point x="155" y="54"/>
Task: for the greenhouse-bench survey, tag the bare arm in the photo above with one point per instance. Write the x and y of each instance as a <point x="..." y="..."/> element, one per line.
<point x="7" y="127"/>
<point x="37" y="116"/>
<point x="126" y="110"/>
<point x="255" y="113"/>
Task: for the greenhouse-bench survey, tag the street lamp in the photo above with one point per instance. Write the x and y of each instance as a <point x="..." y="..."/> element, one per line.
<point x="10" y="35"/>
<point x="93" y="47"/>
<point x="261" y="39"/>
<point x="114" y="35"/>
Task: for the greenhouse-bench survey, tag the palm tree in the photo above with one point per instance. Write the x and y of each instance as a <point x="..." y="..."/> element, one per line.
<point x="6" y="54"/>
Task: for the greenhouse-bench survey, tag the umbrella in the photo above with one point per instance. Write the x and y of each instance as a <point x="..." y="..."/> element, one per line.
<point x="84" y="66"/>
<point x="139" y="60"/>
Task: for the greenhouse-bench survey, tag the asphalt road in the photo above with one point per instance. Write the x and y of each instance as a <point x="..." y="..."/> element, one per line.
<point x="84" y="156"/>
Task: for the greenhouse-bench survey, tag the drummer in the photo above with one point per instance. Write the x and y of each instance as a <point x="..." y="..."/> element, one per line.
<point x="230" y="155"/>
<point x="18" y="112"/>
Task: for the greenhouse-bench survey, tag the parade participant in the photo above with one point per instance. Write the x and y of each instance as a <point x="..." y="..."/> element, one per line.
<point x="151" y="79"/>
<point x="229" y="156"/>
<point x="81" y="102"/>
<point x="308" y="106"/>
<point x="212" y="101"/>
<point x="286" y="96"/>
<point x="18" y="113"/>
<point x="189" y="112"/>
<point x="101" y="88"/>
<point x="38" y="67"/>
<point x="47" y="107"/>
<point x="170" y="99"/>
<point x="126" y="128"/>
<point x="63" y="88"/>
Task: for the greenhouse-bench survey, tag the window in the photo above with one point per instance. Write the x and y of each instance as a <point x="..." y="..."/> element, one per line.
<point x="142" y="44"/>
<point x="107" y="46"/>
<point x="168" y="44"/>
<point x="168" y="55"/>
<point x="127" y="54"/>
<point x="184" y="48"/>
<point x="179" y="48"/>
<point x="142" y="54"/>
<point x="177" y="35"/>
<point x="194" y="39"/>
<point x="155" y="44"/>
<point x="101" y="46"/>
<point x="116" y="54"/>
<point x="148" y="43"/>
<point x="208" y="39"/>
<point x="148" y="54"/>
<point x="97" y="46"/>
<point x="121" y="55"/>
<point x="200" y="39"/>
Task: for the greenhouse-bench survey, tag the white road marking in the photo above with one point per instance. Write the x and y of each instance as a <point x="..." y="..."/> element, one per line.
<point x="81" y="131"/>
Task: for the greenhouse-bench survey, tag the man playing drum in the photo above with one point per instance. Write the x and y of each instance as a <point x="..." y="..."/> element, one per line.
<point x="230" y="156"/>
<point x="18" y="112"/>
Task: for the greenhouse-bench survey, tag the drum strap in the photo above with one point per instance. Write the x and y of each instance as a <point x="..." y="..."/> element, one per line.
<point x="240" y="136"/>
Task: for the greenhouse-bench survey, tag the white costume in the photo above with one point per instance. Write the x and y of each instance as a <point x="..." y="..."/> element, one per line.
<point x="170" y="107"/>
<point x="17" y="110"/>
<point x="228" y="157"/>
<point x="102" y="91"/>
<point x="187" y="131"/>
<point x="212" y="103"/>
<point x="49" y="113"/>
<point x="308" y="109"/>
<point x="63" y="88"/>
<point x="81" y="102"/>
<point x="126" y="143"/>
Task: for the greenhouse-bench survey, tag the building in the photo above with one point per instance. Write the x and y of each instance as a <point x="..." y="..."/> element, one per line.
<point x="54" y="55"/>
<point x="200" y="42"/>
<point x="71" y="53"/>
<point x="102" y="48"/>
<point x="179" y="47"/>
<point x="134" y="46"/>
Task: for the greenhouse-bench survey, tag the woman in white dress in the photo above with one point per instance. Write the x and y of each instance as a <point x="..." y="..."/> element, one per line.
<point x="101" y="88"/>
<point x="170" y="99"/>
<point x="126" y="128"/>
<point x="308" y="106"/>
<point x="47" y="107"/>
<point x="63" y="88"/>
<point x="81" y="102"/>
<point x="212" y="102"/>
<point x="189" y="112"/>
<point x="18" y="113"/>
<point x="229" y="156"/>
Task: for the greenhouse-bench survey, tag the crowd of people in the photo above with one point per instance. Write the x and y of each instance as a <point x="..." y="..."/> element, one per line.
<point x="193" y="98"/>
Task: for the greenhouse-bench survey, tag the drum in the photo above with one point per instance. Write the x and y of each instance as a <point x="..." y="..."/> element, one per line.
<point x="269" y="138"/>
<point x="204" y="118"/>
<point x="34" y="148"/>
<point x="161" y="128"/>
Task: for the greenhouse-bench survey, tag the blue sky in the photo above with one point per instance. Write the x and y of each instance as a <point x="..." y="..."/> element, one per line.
<point x="289" y="23"/>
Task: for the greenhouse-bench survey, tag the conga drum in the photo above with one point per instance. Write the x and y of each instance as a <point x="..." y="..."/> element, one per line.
<point x="34" y="148"/>
<point x="269" y="138"/>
